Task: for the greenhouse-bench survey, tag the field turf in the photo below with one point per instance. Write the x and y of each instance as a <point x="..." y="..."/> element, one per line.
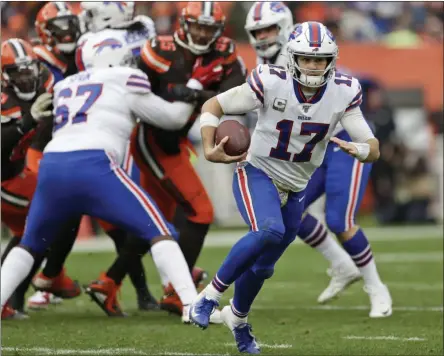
<point x="286" y="318"/>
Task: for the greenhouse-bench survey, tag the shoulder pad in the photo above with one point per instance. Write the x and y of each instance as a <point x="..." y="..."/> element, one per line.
<point x="265" y="78"/>
<point x="351" y="90"/>
<point x="48" y="55"/>
<point x="157" y="53"/>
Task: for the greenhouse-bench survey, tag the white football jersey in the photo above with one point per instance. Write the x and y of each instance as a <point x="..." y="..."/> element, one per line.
<point x="282" y="60"/>
<point x="292" y="133"/>
<point x="134" y="40"/>
<point x="90" y="111"/>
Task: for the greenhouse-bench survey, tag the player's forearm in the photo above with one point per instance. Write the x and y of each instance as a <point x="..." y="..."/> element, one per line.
<point x="209" y="120"/>
<point x="161" y="113"/>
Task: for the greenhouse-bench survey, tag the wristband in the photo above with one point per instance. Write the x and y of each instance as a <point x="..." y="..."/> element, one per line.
<point x="208" y="119"/>
<point x="363" y="150"/>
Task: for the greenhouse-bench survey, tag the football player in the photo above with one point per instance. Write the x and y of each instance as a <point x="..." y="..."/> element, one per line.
<point x="289" y="143"/>
<point x="92" y="125"/>
<point x="164" y="156"/>
<point x="24" y="81"/>
<point x="341" y="177"/>
<point x="105" y="20"/>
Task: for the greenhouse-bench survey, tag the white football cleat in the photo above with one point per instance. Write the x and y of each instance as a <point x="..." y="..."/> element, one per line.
<point x="342" y="277"/>
<point x="41" y="300"/>
<point x="215" y="317"/>
<point x="380" y="300"/>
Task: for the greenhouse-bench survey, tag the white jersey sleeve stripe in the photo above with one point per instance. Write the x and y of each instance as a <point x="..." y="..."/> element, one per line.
<point x="356" y="101"/>
<point x="145" y="84"/>
<point x="256" y="85"/>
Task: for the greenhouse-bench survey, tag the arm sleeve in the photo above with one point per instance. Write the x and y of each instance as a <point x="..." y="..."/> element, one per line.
<point x="239" y="100"/>
<point x="154" y="110"/>
<point x="356" y="126"/>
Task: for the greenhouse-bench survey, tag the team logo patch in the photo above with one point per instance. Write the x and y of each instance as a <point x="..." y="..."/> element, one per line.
<point x="306" y="108"/>
<point x="109" y="42"/>
<point x="277" y="6"/>
<point x="279" y="104"/>
<point x="296" y="33"/>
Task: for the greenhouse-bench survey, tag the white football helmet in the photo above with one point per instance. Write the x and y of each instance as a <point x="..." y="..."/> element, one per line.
<point x="99" y="15"/>
<point x="104" y="52"/>
<point x="266" y="14"/>
<point x="312" y="39"/>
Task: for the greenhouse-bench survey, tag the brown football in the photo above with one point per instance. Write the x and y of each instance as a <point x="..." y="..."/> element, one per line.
<point x="239" y="137"/>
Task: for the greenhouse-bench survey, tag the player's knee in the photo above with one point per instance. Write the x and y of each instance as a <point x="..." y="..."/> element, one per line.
<point x="263" y="273"/>
<point x="272" y="231"/>
<point x="336" y="223"/>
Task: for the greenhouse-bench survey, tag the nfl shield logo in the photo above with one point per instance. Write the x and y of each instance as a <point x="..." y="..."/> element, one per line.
<point x="306" y="108"/>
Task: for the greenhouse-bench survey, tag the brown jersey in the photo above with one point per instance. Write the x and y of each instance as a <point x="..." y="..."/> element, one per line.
<point x="64" y="63"/>
<point x="167" y="63"/>
<point x="14" y="146"/>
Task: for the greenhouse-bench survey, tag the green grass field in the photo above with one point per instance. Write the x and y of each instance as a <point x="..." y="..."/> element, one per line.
<point x="285" y="318"/>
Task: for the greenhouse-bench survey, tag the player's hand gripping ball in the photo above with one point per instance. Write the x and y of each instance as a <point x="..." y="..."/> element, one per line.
<point x="239" y="137"/>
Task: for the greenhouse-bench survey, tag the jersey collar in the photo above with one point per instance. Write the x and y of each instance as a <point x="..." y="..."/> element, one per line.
<point x="301" y="97"/>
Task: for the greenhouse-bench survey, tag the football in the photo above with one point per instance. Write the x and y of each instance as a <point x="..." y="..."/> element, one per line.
<point x="239" y="137"/>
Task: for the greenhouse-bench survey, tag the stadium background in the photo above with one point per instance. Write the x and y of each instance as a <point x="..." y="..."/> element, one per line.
<point x="395" y="47"/>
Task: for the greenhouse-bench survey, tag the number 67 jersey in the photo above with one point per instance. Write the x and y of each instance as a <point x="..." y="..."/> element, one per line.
<point x="91" y="110"/>
<point x="292" y="132"/>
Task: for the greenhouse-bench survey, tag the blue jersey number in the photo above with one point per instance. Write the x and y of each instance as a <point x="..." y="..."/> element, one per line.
<point x="93" y="92"/>
<point x="339" y="79"/>
<point x="285" y="128"/>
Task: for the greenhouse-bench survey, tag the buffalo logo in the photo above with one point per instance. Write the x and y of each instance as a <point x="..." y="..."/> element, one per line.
<point x="315" y="50"/>
<point x="109" y="42"/>
<point x="296" y="33"/>
<point x="329" y="34"/>
<point x="277" y="6"/>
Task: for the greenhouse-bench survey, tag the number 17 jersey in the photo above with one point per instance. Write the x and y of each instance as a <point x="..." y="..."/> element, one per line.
<point x="292" y="132"/>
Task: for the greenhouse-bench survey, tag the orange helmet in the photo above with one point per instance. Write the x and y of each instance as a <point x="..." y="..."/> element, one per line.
<point x="58" y="25"/>
<point x="201" y="24"/>
<point x="20" y="68"/>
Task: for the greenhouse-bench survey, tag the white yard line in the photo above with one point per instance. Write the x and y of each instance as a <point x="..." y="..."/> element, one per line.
<point x="49" y="351"/>
<point x="438" y="309"/>
<point x="398" y="257"/>
<point x="109" y="351"/>
<point x="228" y="238"/>
<point x="388" y="338"/>
<point x="391" y="284"/>
<point x="188" y="354"/>
<point x="266" y="346"/>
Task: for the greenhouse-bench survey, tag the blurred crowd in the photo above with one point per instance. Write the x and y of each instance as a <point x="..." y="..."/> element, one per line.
<point x="400" y="180"/>
<point x="397" y="24"/>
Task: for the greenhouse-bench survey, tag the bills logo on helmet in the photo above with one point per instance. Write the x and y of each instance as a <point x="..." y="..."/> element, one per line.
<point x="277" y="6"/>
<point x="296" y="33"/>
<point x="329" y="34"/>
<point x="109" y="42"/>
<point x="120" y="4"/>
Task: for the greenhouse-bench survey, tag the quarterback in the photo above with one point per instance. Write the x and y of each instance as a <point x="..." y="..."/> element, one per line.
<point x="289" y="143"/>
